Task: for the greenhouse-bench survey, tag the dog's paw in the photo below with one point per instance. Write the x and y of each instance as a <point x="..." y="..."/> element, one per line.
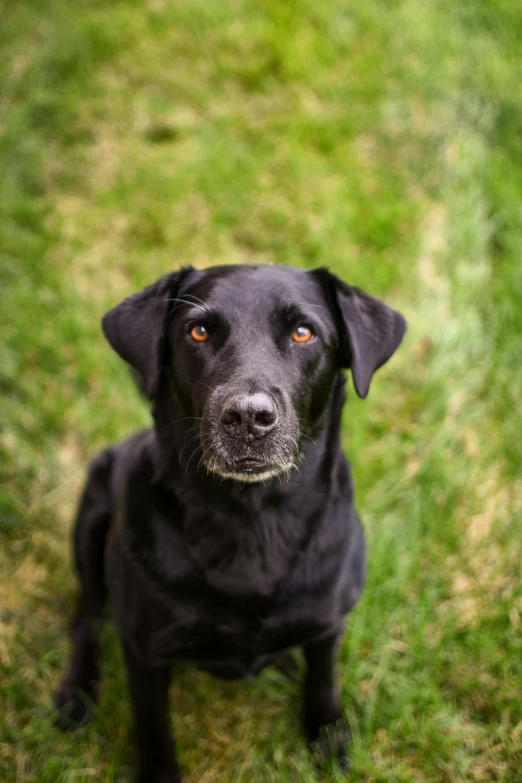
<point x="74" y="706"/>
<point x="330" y="744"/>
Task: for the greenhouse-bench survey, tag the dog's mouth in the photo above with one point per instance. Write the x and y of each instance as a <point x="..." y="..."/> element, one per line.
<point x="250" y="467"/>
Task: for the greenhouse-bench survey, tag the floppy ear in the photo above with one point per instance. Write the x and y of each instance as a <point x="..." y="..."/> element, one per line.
<point x="136" y="327"/>
<point x="370" y="331"/>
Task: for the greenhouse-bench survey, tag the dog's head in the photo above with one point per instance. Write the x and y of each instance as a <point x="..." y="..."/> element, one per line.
<point x="244" y="358"/>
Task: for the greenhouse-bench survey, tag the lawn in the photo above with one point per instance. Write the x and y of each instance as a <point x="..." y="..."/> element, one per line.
<point x="382" y="138"/>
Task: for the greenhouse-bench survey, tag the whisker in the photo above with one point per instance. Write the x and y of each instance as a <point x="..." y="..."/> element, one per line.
<point x="202" y="456"/>
<point x="294" y="442"/>
<point x="185" y="418"/>
<point x="195" y="437"/>
<point x="186" y="439"/>
<point x="192" y="304"/>
<point x="194" y="452"/>
<point x="191" y="440"/>
<point x="303" y="434"/>
<point x="205" y="384"/>
<point x="192" y="296"/>
<point x="187" y="465"/>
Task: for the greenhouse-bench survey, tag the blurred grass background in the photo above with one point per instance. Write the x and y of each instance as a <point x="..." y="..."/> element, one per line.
<point x="382" y="138"/>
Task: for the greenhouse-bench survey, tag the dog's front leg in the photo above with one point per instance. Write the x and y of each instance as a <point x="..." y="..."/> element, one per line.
<point x="323" y="714"/>
<point x="149" y="688"/>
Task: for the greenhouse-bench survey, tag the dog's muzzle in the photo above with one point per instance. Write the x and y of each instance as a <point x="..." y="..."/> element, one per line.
<point x="250" y="438"/>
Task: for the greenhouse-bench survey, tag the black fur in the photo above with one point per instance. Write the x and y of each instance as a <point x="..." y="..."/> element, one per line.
<point x="227" y="534"/>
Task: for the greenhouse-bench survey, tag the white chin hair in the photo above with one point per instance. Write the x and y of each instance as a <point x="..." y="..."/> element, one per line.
<point x="251" y="478"/>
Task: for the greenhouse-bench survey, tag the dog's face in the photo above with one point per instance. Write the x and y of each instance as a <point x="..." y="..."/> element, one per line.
<point x="251" y="353"/>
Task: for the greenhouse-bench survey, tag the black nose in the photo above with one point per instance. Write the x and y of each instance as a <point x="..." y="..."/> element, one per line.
<point x="248" y="415"/>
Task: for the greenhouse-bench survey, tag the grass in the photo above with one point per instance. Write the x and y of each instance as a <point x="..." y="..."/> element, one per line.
<point x="381" y="138"/>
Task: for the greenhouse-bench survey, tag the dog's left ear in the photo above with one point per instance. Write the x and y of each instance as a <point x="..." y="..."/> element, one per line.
<point x="136" y="328"/>
<point x="369" y="330"/>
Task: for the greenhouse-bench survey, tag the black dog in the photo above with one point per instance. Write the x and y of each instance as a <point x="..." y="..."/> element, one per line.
<point x="228" y="534"/>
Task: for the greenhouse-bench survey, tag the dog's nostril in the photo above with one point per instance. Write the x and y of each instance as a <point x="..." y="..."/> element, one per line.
<point x="231" y="416"/>
<point x="264" y="418"/>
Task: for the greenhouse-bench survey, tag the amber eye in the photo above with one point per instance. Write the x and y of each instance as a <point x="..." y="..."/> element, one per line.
<point x="302" y="334"/>
<point x="199" y="333"/>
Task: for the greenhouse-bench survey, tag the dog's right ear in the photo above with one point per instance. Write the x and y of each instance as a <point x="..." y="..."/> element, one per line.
<point x="136" y="328"/>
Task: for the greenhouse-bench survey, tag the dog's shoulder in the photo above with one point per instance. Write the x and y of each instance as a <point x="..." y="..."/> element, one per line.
<point x="149" y="516"/>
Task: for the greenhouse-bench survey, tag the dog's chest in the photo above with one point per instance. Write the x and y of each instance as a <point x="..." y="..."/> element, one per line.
<point x="226" y="637"/>
<point x="219" y="619"/>
<point x="242" y="557"/>
<point x="229" y="597"/>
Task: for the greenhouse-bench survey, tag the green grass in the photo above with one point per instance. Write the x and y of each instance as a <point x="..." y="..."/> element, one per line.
<point x="382" y="138"/>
